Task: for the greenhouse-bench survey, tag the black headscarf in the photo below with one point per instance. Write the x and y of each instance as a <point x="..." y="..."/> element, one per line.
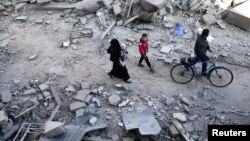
<point x="115" y="50"/>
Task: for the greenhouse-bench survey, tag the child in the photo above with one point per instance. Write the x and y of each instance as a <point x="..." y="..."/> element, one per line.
<point x="143" y="49"/>
<point x="123" y="54"/>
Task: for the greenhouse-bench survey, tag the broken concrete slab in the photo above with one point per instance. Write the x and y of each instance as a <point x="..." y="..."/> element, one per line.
<point x="43" y="1"/>
<point x="240" y="16"/>
<point x="144" y="27"/>
<point x="81" y="96"/>
<point x="88" y="5"/>
<point x="83" y="121"/>
<point x="166" y="49"/>
<point x="90" y="109"/>
<point x="20" y="6"/>
<point x="79" y="112"/>
<point x="143" y="120"/>
<point x="77" y="105"/>
<point x="209" y="19"/>
<point x="6" y="96"/>
<point x="180" y="116"/>
<point x="3" y="119"/>
<point x="188" y="127"/>
<point x="114" y="99"/>
<point x="193" y="117"/>
<point x="30" y="91"/>
<point x="173" y="131"/>
<point x="221" y="24"/>
<point x="88" y="99"/>
<point x="69" y="90"/>
<point x="185" y="100"/>
<point x="43" y="87"/>
<point x="152" y="6"/>
<point x="53" y="128"/>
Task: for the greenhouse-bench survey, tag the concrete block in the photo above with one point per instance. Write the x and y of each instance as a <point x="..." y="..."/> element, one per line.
<point x="6" y="96"/>
<point x="30" y="91"/>
<point x="79" y="112"/>
<point x="77" y="105"/>
<point x="152" y="6"/>
<point x="88" y="5"/>
<point x="208" y="19"/>
<point x="82" y="95"/>
<point x="239" y="16"/>
<point x="43" y="87"/>
<point x="3" y="117"/>
<point x="114" y="99"/>
<point x="88" y="98"/>
<point x="43" y="1"/>
<point x="52" y="128"/>
<point x="180" y="116"/>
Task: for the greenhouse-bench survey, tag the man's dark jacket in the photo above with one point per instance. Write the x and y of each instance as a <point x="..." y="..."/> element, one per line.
<point x="201" y="47"/>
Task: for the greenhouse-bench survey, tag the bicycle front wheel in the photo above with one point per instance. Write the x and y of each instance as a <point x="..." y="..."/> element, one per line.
<point x="182" y="73"/>
<point x="220" y="77"/>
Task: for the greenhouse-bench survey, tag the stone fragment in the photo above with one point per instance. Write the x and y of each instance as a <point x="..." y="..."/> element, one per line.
<point x="30" y="91"/>
<point x="43" y="87"/>
<point x="180" y="116"/>
<point x="208" y="19"/>
<point x="81" y="96"/>
<point x="77" y="105"/>
<point x="93" y="121"/>
<point x="114" y="99"/>
<point x="173" y="131"/>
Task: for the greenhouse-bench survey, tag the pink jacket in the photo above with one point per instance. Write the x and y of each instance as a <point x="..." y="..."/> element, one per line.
<point x="143" y="47"/>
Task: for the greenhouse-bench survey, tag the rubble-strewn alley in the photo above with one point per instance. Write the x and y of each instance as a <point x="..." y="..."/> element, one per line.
<point x="54" y="63"/>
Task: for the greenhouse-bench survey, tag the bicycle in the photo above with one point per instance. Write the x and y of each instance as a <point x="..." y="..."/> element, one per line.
<point x="185" y="71"/>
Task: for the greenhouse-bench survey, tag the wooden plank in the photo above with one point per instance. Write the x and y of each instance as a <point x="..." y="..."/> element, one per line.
<point x="108" y="29"/>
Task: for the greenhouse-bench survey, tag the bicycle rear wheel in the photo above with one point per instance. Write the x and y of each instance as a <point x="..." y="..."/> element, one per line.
<point x="182" y="73"/>
<point x="220" y="76"/>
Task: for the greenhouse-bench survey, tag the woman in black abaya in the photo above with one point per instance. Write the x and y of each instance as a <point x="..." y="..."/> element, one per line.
<point x="118" y="70"/>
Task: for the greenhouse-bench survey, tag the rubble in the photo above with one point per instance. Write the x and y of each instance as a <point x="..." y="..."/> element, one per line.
<point x="180" y="116"/>
<point x="166" y="49"/>
<point x="93" y="121"/>
<point x="148" y="126"/>
<point x="188" y="127"/>
<point x="173" y="131"/>
<point x="81" y="96"/>
<point x="43" y="1"/>
<point x="30" y="91"/>
<point x="117" y="10"/>
<point x="97" y="101"/>
<point x="3" y="120"/>
<point x="6" y="96"/>
<point x="185" y="100"/>
<point x="239" y="16"/>
<point x="208" y="19"/>
<point x="43" y="87"/>
<point x="53" y="128"/>
<point x="79" y="112"/>
<point x="89" y="6"/>
<point x="77" y="105"/>
<point x="114" y="99"/>
<point x="152" y="6"/>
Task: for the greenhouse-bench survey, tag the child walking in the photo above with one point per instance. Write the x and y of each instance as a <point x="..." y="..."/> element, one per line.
<point x="143" y="49"/>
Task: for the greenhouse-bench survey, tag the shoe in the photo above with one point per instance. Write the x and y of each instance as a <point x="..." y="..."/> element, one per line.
<point x="110" y="75"/>
<point x="152" y="70"/>
<point x="140" y="65"/>
<point x="204" y="74"/>
<point x="128" y="81"/>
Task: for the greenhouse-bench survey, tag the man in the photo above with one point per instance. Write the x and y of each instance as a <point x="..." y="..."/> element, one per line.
<point x="201" y="47"/>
